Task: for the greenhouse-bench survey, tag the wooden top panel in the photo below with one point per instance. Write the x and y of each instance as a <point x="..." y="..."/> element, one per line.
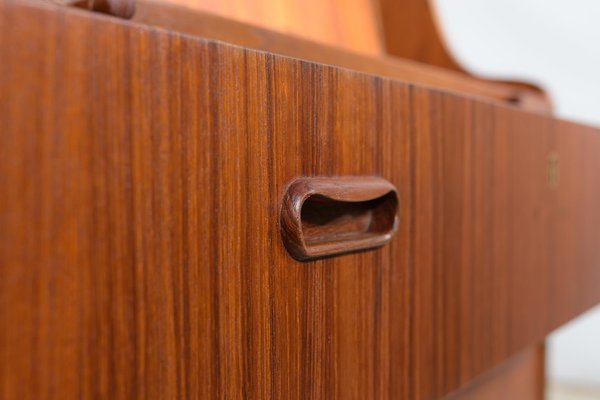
<point x="140" y="253"/>
<point x="183" y="20"/>
<point x="347" y="24"/>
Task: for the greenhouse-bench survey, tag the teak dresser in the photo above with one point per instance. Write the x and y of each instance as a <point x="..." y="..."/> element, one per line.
<point x="197" y="207"/>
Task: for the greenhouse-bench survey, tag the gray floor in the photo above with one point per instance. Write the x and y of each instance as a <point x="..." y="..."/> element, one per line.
<point x="556" y="391"/>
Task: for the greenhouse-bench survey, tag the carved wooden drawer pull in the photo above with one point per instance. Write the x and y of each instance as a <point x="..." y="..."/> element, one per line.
<point x="325" y="216"/>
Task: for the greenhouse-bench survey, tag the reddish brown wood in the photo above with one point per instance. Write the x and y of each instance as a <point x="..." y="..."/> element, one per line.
<point x="322" y="217"/>
<point x="346" y="24"/>
<point x="118" y="8"/>
<point x="409" y="28"/>
<point x="411" y="31"/>
<point x="521" y="377"/>
<point x="140" y="252"/>
<point x="214" y="27"/>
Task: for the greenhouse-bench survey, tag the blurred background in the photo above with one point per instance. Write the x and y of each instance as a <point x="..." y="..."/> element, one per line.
<point x="555" y="44"/>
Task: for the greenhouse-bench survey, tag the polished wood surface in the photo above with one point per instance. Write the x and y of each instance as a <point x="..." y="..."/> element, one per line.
<point x="214" y="27"/>
<point x="140" y="250"/>
<point x="520" y="378"/>
<point x="326" y="216"/>
<point x="412" y="31"/>
<point x="118" y="8"/>
<point x="409" y="28"/>
<point x="347" y="24"/>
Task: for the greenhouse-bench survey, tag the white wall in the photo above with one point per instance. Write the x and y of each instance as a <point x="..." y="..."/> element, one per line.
<point x="555" y="43"/>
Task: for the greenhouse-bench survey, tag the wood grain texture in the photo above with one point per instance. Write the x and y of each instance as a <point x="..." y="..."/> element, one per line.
<point x="521" y="377"/>
<point x="140" y="257"/>
<point x="326" y="216"/>
<point x="197" y="23"/>
<point x="348" y="24"/>
<point x="412" y="31"/>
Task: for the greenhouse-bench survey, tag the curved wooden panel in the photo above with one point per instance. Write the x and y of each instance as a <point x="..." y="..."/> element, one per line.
<point x="411" y="31"/>
<point x="347" y="24"/>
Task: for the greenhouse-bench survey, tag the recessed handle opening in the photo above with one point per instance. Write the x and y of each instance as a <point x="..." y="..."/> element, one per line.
<point x="322" y="217"/>
<point x="324" y="220"/>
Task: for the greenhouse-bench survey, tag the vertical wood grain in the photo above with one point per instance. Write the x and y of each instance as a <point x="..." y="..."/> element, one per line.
<point x="139" y="245"/>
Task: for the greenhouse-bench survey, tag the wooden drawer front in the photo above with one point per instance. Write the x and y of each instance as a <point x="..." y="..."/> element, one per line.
<point x="142" y="174"/>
